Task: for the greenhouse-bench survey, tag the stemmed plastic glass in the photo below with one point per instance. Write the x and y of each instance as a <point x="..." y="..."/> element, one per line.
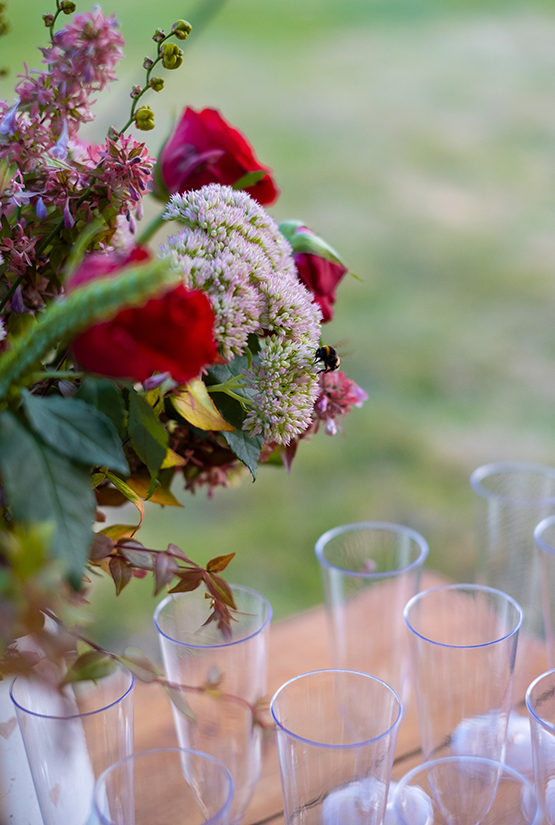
<point x="540" y="701"/>
<point x="336" y="732"/>
<point x="464" y="790"/>
<point x="158" y="787"/>
<point x="224" y="680"/>
<point x="511" y="499"/>
<point x="369" y="571"/>
<point x="544" y="535"/>
<point x="463" y="640"/>
<point x="71" y="737"/>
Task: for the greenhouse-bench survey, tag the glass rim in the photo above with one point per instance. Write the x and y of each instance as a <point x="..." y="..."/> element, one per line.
<point x="241" y="587"/>
<point x="467" y="587"/>
<point x="501" y="467"/>
<point x="72" y="715"/>
<point x="538" y="534"/>
<point x="383" y="526"/>
<point x="225" y="772"/>
<point x="313" y="742"/>
<point x="549" y="726"/>
<point x="465" y="759"/>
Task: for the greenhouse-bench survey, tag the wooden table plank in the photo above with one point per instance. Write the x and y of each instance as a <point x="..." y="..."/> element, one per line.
<point x="298" y="645"/>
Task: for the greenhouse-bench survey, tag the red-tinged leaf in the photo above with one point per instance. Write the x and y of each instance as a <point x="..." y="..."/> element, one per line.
<point x="177" y="551"/>
<point x="221" y="590"/>
<point x="121" y="573"/>
<point x="130" y="494"/>
<point x="177" y="696"/>
<point x="118" y="531"/>
<point x="92" y="665"/>
<point x="189" y="580"/>
<point x="136" y="554"/>
<point x="101" y="547"/>
<point x="139" y="664"/>
<point x="165" y="568"/>
<point x="219" y="563"/>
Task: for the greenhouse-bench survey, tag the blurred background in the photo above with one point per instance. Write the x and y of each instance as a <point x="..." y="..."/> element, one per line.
<point x="418" y="138"/>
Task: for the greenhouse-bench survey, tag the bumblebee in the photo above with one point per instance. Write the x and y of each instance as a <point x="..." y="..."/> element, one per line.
<point x="329" y="358"/>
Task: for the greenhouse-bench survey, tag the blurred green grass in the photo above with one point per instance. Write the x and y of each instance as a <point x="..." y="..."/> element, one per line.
<point x="419" y="139"/>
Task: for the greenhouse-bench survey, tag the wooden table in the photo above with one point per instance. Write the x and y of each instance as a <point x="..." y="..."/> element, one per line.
<point x="299" y="645"/>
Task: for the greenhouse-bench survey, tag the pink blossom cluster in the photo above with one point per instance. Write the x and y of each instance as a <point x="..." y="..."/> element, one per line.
<point x="233" y="250"/>
<point x="338" y="395"/>
<point x="46" y="173"/>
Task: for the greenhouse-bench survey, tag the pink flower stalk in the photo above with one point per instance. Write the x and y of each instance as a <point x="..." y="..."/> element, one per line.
<point x="53" y="103"/>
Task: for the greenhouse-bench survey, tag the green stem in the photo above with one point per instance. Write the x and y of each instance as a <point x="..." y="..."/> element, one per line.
<point x="229" y="388"/>
<point x="42" y="376"/>
<point x="151" y="230"/>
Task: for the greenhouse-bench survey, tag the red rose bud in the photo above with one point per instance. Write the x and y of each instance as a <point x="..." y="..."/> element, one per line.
<point x="205" y="149"/>
<point x="319" y="267"/>
<point x="170" y="333"/>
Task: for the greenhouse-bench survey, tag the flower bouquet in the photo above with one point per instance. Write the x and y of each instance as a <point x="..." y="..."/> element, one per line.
<point x="123" y="366"/>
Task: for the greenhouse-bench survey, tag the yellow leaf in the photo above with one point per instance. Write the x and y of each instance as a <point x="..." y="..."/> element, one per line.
<point x="172" y="459"/>
<point x="130" y="494"/>
<point x="141" y="484"/>
<point x="194" y="404"/>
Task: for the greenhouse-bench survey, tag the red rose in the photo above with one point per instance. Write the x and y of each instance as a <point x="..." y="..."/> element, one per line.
<point x="171" y="333"/>
<point x="321" y="277"/>
<point x="204" y="149"/>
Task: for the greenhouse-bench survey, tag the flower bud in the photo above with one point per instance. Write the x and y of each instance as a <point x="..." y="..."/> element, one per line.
<point x="156" y="83"/>
<point x="172" y="56"/>
<point x="113" y="133"/>
<point x="48" y="20"/>
<point x="144" y="119"/>
<point x="182" y="29"/>
<point x="159" y="35"/>
<point x="67" y="6"/>
<point x="148" y="63"/>
<point x="135" y="92"/>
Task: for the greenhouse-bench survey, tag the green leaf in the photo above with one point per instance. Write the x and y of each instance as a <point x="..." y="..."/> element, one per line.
<point x="246" y="447"/>
<point x="106" y="397"/>
<point x="249" y="179"/>
<point x="76" y="429"/>
<point x="130" y="494"/>
<point x="308" y="242"/>
<point x="229" y="407"/>
<point x="93" y="665"/>
<point x="42" y="485"/>
<point x="148" y="436"/>
<point x="177" y="697"/>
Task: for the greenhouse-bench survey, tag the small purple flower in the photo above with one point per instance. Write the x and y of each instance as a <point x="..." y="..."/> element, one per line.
<point x="154" y="381"/>
<point x="60" y="149"/>
<point x="16" y="303"/>
<point x="41" y="209"/>
<point x="69" y="220"/>
<point x="8" y="123"/>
